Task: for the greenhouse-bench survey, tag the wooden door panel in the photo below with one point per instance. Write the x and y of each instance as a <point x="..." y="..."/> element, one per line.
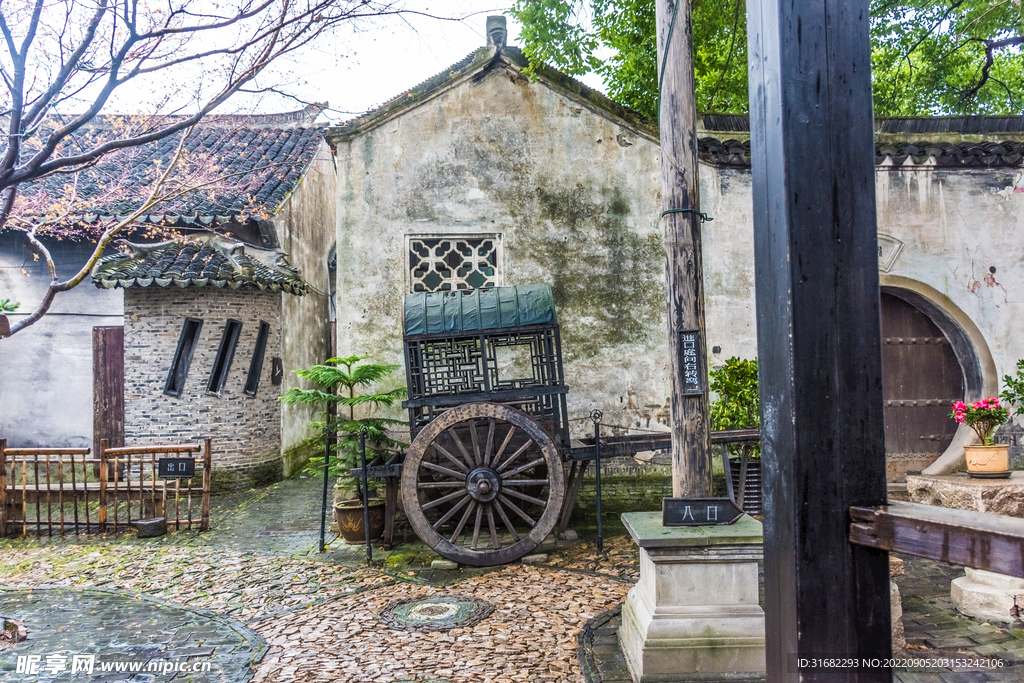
<point x="921" y="378"/>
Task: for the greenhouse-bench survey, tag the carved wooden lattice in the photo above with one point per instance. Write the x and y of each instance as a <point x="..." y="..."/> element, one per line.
<point x="444" y="264"/>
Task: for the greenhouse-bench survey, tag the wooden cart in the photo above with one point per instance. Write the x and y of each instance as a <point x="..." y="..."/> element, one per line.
<point x="491" y="469"/>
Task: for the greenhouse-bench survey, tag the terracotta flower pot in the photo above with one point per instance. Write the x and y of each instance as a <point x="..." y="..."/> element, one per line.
<point x="349" y="519"/>
<point x="988" y="461"/>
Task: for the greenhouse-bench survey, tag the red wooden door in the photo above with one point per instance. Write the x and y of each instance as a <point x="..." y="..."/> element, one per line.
<point x="921" y="378"/>
<point x="107" y="386"/>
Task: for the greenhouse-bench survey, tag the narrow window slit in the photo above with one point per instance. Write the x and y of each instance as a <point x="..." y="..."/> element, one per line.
<point x="225" y="354"/>
<point x="252" y="382"/>
<point x="183" y="357"/>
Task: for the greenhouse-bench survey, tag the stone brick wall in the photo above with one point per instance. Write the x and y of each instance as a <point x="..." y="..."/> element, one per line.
<point x="246" y="430"/>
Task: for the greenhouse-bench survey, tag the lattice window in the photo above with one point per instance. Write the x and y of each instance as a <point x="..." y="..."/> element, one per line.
<point x="449" y="263"/>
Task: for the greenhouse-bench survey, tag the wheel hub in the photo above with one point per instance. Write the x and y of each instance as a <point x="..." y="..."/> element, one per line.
<point x="483" y="484"/>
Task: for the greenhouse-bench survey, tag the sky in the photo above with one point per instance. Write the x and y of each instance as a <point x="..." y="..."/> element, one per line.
<point x="356" y="70"/>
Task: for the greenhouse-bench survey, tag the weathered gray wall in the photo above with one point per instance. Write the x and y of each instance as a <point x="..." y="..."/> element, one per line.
<point x="246" y="430"/>
<point x="574" y="195"/>
<point x="46" y="370"/>
<point x="306" y="230"/>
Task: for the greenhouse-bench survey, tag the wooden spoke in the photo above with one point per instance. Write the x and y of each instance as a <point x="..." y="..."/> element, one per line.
<point x="515" y="455"/>
<point x="515" y="508"/>
<point x="443" y="484"/>
<point x="442" y="500"/>
<point x="534" y="463"/>
<point x="476" y="526"/>
<point x="478" y="457"/>
<point x="506" y="521"/>
<point x="523" y="496"/>
<point x="495" y="543"/>
<point x="455" y="461"/>
<point x="442" y="470"/>
<point x="462" y="522"/>
<point x="489" y="448"/>
<point x="462" y="449"/>
<point x="504" y="444"/>
<point x="455" y="508"/>
<point x="524" y="482"/>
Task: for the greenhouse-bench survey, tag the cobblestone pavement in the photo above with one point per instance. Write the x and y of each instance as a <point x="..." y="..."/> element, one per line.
<point x="120" y="629"/>
<point x="258" y="568"/>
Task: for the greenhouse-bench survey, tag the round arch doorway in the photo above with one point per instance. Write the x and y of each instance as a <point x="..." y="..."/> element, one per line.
<point x="921" y="378"/>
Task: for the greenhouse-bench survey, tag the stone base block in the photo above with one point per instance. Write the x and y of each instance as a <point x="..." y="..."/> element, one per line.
<point x="998" y="496"/>
<point x="989" y="596"/>
<point x="670" y="646"/>
<point x="694" y="614"/>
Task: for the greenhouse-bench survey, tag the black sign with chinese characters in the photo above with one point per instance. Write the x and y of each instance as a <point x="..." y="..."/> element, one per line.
<point x="176" y="468"/>
<point x="690" y="358"/>
<point x="699" y="511"/>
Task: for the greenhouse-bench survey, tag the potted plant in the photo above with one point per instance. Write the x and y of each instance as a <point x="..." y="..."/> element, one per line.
<point x="738" y="407"/>
<point x="987" y="460"/>
<point x="337" y="381"/>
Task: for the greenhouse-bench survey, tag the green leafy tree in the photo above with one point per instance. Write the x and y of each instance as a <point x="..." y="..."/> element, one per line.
<point x="337" y="381"/>
<point x="929" y="57"/>
<point x="738" y="405"/>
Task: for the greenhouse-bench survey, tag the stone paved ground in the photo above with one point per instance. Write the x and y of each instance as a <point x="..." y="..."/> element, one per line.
<point x="259" y="568"/>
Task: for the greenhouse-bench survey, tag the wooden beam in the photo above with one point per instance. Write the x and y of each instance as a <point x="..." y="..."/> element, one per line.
<point x="816" y="276"/>
<point x="965" y="538"/>
<point x="680" y="202"/>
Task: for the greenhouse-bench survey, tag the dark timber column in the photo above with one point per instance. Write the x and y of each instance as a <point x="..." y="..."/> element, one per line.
<point x="691" y="438"/>
<point x="818" y="332"/>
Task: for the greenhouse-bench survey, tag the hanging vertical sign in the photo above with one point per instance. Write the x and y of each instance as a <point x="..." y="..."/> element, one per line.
<point x="691" y="354"/>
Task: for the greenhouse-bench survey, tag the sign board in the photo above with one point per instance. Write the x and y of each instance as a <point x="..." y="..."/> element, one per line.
<point x="176" y="468"/>
<point x="691" y="356"/>
<point x="699" y="511"/>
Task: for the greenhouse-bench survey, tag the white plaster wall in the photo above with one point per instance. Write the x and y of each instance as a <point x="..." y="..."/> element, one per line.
<point x="956" y="226"/>
<point x="575" y="196"/>
<point x="306" y="227"/>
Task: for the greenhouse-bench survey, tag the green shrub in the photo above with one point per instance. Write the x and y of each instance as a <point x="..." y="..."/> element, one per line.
<point x="738" y="405"/>
<point x="337" y="380"/>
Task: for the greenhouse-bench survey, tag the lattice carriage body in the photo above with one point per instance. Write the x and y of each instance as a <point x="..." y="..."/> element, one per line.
<point x="498" y="345"/>
<point x="483" y="481"/>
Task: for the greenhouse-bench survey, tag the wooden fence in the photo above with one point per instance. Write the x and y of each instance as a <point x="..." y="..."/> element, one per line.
<point x="65" y="490"/>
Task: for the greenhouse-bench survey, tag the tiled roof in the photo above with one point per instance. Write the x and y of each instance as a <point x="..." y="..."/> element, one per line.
<point x="736" y="154"/>
<point x="268" y="162"/>
<point x="902" y="125"/>
<point x="206" y="262"/>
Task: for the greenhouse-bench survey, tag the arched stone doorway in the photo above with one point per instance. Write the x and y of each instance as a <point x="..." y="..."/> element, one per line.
<point x="932" y="355"/>
<point x="921" y="378"/>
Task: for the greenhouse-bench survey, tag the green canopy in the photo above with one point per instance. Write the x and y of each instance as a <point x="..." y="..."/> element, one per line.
<point x="479" y="309"/>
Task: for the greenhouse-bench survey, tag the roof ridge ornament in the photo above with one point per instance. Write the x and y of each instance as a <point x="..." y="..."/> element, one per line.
<point x="497" y="31"/>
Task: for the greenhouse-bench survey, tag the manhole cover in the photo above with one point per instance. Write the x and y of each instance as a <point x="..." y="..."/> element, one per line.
<point x="436" y="613"/>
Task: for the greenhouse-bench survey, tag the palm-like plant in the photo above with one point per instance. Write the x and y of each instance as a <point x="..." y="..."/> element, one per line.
<point x="337" y="381"/>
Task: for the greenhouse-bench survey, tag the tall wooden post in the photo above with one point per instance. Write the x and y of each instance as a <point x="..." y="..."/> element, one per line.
<point x="680" y="201"/>
<point x="816" y="272"/>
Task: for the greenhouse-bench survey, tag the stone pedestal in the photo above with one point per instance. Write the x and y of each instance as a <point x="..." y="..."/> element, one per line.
<point x="980" y="594"/>
<point x="694" y="614"/>
<point x="989" y="596"/>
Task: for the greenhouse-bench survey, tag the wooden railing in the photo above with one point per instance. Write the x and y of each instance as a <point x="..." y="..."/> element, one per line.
<point x="978" y="540"/>
<point x="67" y="490"/>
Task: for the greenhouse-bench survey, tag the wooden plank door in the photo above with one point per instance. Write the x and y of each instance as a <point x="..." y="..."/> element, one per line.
<point x="921" y="378"/>
<point x="107" y="386"/>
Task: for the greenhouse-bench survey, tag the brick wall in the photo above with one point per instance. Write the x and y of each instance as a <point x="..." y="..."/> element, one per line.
<point x="246" y="430"/>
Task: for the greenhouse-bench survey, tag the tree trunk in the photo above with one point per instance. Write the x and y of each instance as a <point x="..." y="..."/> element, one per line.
<point x="691" y="436"/>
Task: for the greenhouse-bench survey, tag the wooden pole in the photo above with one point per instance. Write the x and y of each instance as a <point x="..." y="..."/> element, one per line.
<point x="101" y="514"/>
<point x="680" y="201"/>
<point x="818" y="336"/>
<point x="204" y="511"/>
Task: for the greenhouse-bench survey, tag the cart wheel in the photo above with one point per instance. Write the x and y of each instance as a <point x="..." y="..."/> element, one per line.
<point x="482" y="484"/>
